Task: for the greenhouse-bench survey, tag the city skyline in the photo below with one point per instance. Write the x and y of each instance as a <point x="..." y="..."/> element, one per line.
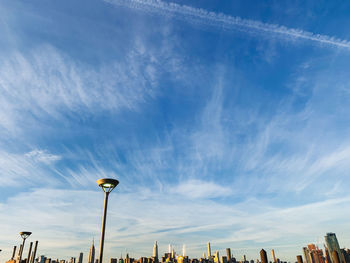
<point x="310" y="254"/>
<point x="224" y="121"/>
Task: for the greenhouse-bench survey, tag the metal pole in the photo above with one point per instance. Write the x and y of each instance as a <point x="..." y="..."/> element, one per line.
<point x="30" y="251"/>
<point x="14" y="252"/>
<point x="103" y="226"/>
<point x="20" y="256"/>
<point x="19" y="251"/>
<point x="34" y="252"/>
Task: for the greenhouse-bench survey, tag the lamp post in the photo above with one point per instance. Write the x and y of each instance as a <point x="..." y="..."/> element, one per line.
<point x="107" y="185"/>
<point x="24" y="235"/>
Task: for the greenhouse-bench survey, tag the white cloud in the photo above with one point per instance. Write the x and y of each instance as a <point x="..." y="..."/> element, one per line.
<point x="45" y="83"/>
<point x="43" y="156"/>
<point x="20" y="170"/>
<point x="200" y="189"/>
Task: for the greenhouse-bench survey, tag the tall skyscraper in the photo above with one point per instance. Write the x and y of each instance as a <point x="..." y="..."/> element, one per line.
<point x="92" y="253"/>
<point x="332" y="245"/>
<point x="273" y="256"/>
<point x="228" y="254"/>
<point x="307" y="255"/>
<point x="183" y="250"/>
<point x="209" y="250"/>
<point x="216" y="257"/>
<point x="300" y="259"/>
<point x="335" y="256"/>
<point x="263" y="256"/>
<point x="155" y="251"/>
<point x="80" y="260"/>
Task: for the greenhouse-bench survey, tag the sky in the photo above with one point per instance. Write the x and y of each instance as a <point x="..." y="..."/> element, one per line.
<point x="224" y="121"/>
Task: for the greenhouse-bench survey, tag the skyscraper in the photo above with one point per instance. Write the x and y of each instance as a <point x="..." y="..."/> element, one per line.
<point x="332" y="245"/>
<point x="273" y="256"/>
<point x="92" y="253"/>
<point x="335" y="256"/>
<point x="155" y="251"/>
<point x="209" y="250"/>
<point x="300" y="259"/>
<point x="228" y="254"/>
<point x="307" y="255"/>
<point x="216" y="257"/>
<point x="263" y="256"/>
<point x="80" y="257"/>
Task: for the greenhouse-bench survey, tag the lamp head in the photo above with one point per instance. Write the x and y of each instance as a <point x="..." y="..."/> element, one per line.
<point x="25" y="234"/>
<point x="107" y="184"/>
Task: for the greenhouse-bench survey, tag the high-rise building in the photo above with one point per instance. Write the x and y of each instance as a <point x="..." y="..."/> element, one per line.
<point x="273" y="256"/>
<point x="80" y="260"/>
<point x="113" y="260"/>
<point x="42" y="259"/>
<point x="300" y="259"/>
<point x="263" y="256"/>
<point x="307" y="255"/>
<point x="155" y="252"/>
<point x="332" y="245"/>
<point x="228" y="254"/>
<point x="209" y="250"/>
<point x="316" y="254"/>
<point x="335" y="256"/>
<point x="92" y="253"/>
<point x="216" y="257"/>
<point x="327" y="255"/>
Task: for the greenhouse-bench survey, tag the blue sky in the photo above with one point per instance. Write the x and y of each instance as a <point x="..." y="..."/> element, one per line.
<point x="225" y="121"/>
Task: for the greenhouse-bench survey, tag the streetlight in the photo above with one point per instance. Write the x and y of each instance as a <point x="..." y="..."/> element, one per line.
<point x="24" y="235"/>
<point x="107" y="185"/>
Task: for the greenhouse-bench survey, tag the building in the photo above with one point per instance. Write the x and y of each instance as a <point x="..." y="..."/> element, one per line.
<point x="80" y="260"/>
<point x="273" y="256"/>
<point x="113" y="260"/>
<point x="209" y="250"/>
<point x="91" y="258"/>
<point x="307" y="256"/>
<point x="228" y="254"/>
<point x="332" y="245"/>
<point x="263" y="256"/>
<point x="316" y="254"/>
<point x="216" y="257"/>
<point x="155" y="252"/>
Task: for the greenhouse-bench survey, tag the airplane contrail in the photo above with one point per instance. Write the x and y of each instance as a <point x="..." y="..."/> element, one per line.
<point x="226" y="22"/>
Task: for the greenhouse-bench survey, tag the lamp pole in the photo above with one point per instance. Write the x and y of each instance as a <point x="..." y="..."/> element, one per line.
<point x="24" y="235"/>
<point x="107" y="185"/>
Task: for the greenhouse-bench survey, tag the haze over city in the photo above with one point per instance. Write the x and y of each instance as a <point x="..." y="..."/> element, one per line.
<point x="223" y="121"/>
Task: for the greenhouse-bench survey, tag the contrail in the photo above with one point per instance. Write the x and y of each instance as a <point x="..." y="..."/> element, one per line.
<point x="226" y="22"/>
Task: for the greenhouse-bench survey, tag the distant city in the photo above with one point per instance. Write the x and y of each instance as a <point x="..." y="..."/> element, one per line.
<point x="331" y="253"/>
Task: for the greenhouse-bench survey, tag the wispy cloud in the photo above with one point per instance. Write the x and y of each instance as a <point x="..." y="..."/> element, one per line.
<point x="226" y="22"/>
<point x="43" y="156"/>
<point x="45" y="83"/>
<point x="28" y="169"/>
<point x="200" y="189"/>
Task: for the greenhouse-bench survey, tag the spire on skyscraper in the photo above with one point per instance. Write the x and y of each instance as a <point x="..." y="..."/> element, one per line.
<point x="92" y="252"/>
<point x="155" y="252"/>
<point x="209" y="250"/>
